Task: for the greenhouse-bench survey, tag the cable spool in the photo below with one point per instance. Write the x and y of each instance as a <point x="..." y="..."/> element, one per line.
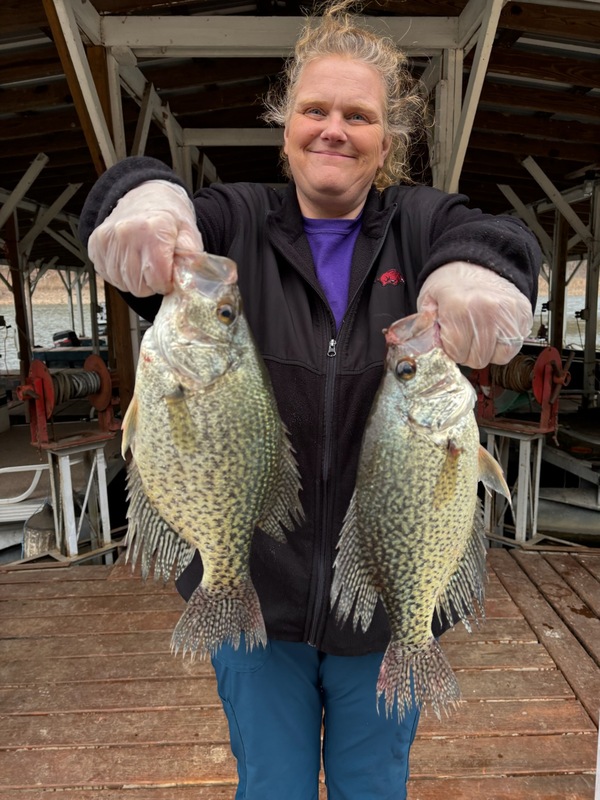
<point x="517" y="375"/>
<point x="74" y="384"/>
<point x="44" y="391"/>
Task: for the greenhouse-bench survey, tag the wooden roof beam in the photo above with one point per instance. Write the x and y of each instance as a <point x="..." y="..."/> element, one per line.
<point x="18" y="193"/>
<point x="65" y="31"/>
<point x="234" y="37"/>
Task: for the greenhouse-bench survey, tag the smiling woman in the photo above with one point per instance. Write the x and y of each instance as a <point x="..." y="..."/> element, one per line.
<point x="348" y="247"/>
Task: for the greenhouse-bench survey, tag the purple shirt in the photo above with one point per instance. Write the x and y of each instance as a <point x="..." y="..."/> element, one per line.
<point x="332" y="244"/>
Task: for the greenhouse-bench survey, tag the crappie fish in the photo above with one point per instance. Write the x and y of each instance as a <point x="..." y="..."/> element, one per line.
<point x="413" y="533"/>
<point x="211" y="459"/>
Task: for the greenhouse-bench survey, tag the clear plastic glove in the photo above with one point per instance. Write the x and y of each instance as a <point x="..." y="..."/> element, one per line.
<point x="483" y="317"/>
<point x="135" y="247"/>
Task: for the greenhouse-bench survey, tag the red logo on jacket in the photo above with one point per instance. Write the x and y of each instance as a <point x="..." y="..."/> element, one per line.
<point x="390" y="278"/>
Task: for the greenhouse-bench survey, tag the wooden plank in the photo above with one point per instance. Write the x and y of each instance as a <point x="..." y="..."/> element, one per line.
<point x="173" y="726"/>
<point x="200" y="691"/>
<point x="512" y="685"/>
<point x="113" y="696"/>
<point x="109" y="668"/>
<point x="84" y="606"/>
<point x="198" y="763"/>
<point x="99" y="623"/>
<point x="222" y="791"/>
<point x="509" y="718"/>
<point x="512" y="655"/>
<point x="207" y="724"/>
<point x="578" y="667"/>
<point x="116" y="766"/>
<point x="586" y="585"/>
<point x="503" y="755"/>
<point x="85" y="646"/>
<point x="120" y="667"/>
<point x="74" y="589"/>
<point x="581" y="620"/>
<point x="492" y="630"/>
<point x="84" y="572"/>
<point x="104" y="644"/>
<point x="591" y="562"/>
<point x="532" y="787"/>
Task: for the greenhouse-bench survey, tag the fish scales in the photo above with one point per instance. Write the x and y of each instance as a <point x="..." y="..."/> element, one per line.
<point x="211" y="459"/>
<point x="413" y="534"/>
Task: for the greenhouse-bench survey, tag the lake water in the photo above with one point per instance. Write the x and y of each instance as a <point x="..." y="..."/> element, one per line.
<point x="48" y="319"/>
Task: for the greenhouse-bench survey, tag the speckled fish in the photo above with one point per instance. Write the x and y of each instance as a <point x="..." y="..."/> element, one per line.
<point x="211" y="459"/>
<point x="413" y="533"/>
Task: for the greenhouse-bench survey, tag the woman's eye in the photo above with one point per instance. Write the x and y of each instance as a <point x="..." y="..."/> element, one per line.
<point x="358" y="117"/>
<point x="316" y="112"/>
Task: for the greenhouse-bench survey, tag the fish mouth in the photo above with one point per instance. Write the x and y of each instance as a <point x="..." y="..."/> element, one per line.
<point x="204" y="273"/>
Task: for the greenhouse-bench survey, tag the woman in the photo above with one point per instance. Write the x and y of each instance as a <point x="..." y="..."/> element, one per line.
<point x="324" y="265"/>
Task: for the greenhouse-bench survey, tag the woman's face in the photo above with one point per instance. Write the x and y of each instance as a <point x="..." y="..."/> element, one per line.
<point x="334" y="138"/>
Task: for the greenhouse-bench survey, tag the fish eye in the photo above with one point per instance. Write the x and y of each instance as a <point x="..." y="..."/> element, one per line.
<point x="406" y="369"/>
<point x="226" y="313"/>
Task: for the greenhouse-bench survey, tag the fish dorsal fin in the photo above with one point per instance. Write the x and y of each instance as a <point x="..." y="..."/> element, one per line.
<point x="129" y="427"/>
<point x="490" y="473"/>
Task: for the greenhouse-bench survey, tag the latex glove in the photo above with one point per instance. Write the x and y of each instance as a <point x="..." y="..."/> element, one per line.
<point x="135" y="247"/>
<point x="483" y="317"/>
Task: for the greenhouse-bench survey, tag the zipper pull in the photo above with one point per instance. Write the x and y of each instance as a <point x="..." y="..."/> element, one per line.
<point x="331" y="351"/>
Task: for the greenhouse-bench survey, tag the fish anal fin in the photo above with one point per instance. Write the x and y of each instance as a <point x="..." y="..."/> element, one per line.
<point x="464" y="594"/>
<point x="149" y="536"/>
<point x="352" y="586"/>
<point x="491" y="475"/>
<point x="283" y="507"/>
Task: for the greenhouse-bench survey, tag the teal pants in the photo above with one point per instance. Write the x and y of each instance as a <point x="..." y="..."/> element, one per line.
<point x="277" y="699"/>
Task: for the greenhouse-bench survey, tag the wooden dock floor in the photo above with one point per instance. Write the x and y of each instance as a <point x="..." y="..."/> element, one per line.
<point x="92" y="703"/>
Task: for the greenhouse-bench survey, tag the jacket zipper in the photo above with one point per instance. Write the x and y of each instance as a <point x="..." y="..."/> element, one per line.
<point x="320" y="598"/>
<point x="321" y="604"/>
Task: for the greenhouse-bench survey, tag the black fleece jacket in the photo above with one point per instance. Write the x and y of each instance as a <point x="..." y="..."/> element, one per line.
<point x="325" y="380"/>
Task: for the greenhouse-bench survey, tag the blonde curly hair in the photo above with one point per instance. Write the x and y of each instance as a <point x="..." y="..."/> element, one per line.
<point x="337" y="32"/>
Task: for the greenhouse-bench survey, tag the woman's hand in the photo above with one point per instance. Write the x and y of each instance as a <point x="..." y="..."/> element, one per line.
<point x="135" y="247"/>
<point x="483" y="317"/>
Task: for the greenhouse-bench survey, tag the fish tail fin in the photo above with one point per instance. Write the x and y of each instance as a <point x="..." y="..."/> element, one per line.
<point x="212" y="618"/>
<point x="352" y="585"/>
<point x="411" y="675"/>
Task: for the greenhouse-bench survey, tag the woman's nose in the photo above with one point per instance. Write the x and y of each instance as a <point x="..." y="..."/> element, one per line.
<point x="334" y="129"/>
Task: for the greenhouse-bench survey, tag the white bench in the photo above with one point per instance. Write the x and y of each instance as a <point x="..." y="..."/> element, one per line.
<point x="20" y="507"/>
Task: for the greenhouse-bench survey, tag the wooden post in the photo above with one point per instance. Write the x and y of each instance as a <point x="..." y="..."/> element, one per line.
<point x="558" y="281"/>
<point x="117" y="310"/>
<point x="11" y="237"/>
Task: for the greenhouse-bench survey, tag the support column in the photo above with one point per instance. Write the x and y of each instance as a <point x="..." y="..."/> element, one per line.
<point x="11" y="237"/>
<point x="558" y="279"/>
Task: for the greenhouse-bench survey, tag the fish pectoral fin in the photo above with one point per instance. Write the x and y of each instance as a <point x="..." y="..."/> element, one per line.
<point x="491" y="475"/>
<point x="129" y="426"/>
<point x="183" y="433"/>
<point x="283" y="507"/>
<point x="150" y="535"/>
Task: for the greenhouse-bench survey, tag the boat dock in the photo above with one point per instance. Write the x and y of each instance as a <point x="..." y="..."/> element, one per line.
<point x="92" y="702"/>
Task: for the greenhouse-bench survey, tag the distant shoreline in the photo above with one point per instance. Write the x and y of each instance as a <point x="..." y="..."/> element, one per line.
<point x="51" y="290"/>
